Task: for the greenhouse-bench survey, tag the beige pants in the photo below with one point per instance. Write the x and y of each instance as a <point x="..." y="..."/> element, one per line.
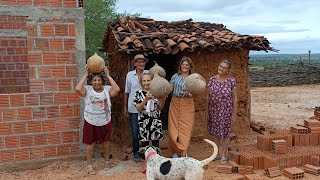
<point x="180" y="125"/>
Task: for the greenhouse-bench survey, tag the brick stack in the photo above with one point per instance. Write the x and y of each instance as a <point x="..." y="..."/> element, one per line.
<point x="293" y="173"/>
<point x="245" y="169"/>
<point x="280" y="146"/>
<point x="252" y="177"/>
<point x="298" y="130"/>
<point x="273" y="172"/>
<point x="235" y="166"/>
<point x="317" y="113"/>
<point x="315" y="160"/>
<point x="312" y="169"/>
<point x="224" y="169"/>
<point x="314" y="130"/>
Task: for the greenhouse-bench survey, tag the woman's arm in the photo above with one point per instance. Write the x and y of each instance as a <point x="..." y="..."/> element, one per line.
<point x="235" y="103"/>
<point x="114" y="86"/>
<point x="81" y="91"/>
<point x="140" y="106"/>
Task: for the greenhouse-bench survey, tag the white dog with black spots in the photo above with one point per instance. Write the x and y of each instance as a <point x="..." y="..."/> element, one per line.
<point x="163" y="168"/>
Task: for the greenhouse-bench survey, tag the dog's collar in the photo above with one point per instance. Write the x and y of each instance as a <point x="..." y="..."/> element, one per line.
<point x="149" y="155"/>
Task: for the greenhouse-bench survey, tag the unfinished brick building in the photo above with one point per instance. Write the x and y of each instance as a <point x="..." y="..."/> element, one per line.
<point x="39" y="54"/>
<point x="166" y="43"/>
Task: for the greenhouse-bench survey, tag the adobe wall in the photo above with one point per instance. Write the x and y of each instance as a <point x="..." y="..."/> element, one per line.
<point x="206" y="64"/>
<point x="47" y="38"/>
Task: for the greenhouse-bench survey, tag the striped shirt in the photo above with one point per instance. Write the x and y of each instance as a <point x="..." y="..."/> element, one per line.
<point x="178" y="82"/>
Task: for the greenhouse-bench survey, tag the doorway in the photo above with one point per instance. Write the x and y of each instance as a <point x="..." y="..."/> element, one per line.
<point x="169" y="63"/>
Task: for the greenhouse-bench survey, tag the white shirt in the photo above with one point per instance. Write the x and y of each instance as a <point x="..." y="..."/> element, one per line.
<point x="97" y="110"/>
<point x="132" y="86"/>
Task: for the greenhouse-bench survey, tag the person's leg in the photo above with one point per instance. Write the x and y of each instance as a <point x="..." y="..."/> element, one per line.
<point x="106" y="153"/>
<point x="134" y="135"/>
<point x="224" y="145"/>
<point x="89" y="155"/>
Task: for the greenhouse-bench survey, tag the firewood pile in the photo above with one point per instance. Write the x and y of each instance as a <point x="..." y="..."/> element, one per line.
<point x="292" y="75"/>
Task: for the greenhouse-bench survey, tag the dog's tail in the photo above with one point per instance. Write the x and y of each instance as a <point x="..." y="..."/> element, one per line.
<point x="214" y="155"/>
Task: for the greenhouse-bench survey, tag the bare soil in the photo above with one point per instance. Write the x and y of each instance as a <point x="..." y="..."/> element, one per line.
<point x="273" y="107"/>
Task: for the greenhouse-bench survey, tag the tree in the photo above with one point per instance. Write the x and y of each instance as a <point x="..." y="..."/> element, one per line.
<point x="97" y="14"/>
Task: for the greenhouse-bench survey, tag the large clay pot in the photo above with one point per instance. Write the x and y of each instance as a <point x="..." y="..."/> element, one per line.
<point x="159" y="86"/>
<point x="157" y="69"/>
<point x="95" y="63"/>
<point x="195" y="83"/>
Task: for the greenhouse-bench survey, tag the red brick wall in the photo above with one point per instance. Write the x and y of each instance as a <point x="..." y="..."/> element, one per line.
<point x="48" y="3"/>
<point x="44" y="122"/>
<point x="14" y="67"/>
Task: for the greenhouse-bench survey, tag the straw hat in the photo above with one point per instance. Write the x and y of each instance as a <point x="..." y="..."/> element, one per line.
<point x="138" y="57"/>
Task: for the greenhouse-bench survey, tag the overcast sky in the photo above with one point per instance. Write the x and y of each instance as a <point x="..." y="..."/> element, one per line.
<point x="292" y="26"/>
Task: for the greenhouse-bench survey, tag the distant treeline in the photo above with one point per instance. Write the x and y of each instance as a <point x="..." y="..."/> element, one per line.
<point x="282" y="60"/>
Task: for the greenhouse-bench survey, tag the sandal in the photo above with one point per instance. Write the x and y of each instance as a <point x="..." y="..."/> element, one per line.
<point x="218" y="157"/>
<point x="223" y="160"/>
<point x="90" y="170"/>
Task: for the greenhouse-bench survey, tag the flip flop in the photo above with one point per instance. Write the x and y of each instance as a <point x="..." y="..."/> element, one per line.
<point x="217" y="158"/>
<point x="223" y="160"/>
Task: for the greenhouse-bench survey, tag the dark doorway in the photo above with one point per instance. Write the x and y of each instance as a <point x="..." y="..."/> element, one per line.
<point x="169" y="63"/>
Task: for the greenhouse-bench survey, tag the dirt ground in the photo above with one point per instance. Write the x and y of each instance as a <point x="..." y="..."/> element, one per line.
<point x="273" y="107"/>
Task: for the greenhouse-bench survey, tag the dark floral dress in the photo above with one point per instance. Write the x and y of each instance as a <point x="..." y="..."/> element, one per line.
<point x="220" y="106"/>
<point x="150" y="125"/>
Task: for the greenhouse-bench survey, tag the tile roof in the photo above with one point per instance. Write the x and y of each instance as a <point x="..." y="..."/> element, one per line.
<point x="144" y="34"/>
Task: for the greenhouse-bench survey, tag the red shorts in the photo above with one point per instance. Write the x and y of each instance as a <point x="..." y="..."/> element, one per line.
<point x="100" y="134"/>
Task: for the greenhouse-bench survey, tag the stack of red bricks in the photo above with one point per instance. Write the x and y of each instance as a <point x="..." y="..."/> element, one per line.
<point x="297" y="146"/>
<point x="224" y="169"/>
<point x="273" y="172"/>
<point x="293" y="173"/>
<point x="315" y="160"/>
<point x="315" y="170"/>
<point x="317" y="113"/>
<point x="235" y="168"/>
<point x="280" y="146"/>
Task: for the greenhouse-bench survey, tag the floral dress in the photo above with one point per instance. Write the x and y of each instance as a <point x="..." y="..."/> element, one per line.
<point x="220" y="107"/>
<point x="149" y="123"/>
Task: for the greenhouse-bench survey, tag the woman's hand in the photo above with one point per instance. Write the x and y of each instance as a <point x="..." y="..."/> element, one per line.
<point x="87" y="70"/>
<point x="149" y="96"/>
<point x="106" y="71"/>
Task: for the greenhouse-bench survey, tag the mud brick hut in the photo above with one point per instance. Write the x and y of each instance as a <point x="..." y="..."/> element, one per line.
<point x="166" y="43"/>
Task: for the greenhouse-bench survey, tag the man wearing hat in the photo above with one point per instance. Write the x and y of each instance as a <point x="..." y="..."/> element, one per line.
<point x="133" y="85"/>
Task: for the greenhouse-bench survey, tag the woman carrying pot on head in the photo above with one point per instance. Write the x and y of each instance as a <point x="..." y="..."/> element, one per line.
<point x="149" y="108"/>
<point x="181" y="111"/>
<point x="222" y="107"/>
<point x="131" y="87"/>
<point x="97" y="112"/>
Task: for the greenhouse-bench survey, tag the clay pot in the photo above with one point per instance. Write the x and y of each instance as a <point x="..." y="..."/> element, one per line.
<point x="157" y="69"/>
<point x="95" y="63"/>
<point x="159" y="86"/>
<point x="195" y="83"/>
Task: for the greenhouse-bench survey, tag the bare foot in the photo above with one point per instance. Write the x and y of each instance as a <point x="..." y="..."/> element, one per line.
<point x="90" y="170"/>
